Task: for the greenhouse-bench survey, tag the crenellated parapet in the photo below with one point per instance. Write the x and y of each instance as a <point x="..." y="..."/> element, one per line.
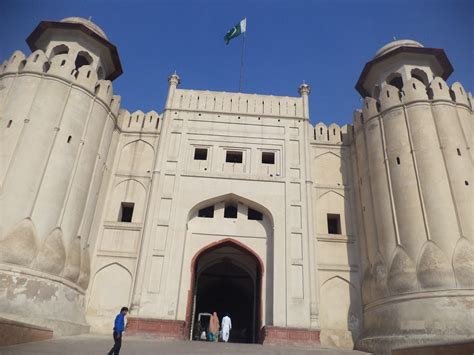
<point x="414" y="91"/>
<point x="139" y="122"/>
<point x="334" y="134"/>
<point x="238" y="103"/>
<point x="61" y="67"/>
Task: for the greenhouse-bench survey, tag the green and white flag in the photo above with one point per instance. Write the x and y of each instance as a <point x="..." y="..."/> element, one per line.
<point x="236" y="31"/>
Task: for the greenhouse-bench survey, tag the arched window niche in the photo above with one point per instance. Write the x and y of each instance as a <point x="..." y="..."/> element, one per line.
<point x="61" y="49"/>
<point x="83" y="58"/>
<point x="420" y="75"/>
<point x="395" y="79"/>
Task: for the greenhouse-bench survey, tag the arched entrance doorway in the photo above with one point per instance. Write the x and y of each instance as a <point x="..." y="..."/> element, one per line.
<point x="227" y="279"/>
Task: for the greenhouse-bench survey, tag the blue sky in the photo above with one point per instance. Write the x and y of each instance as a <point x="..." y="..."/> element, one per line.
<point x="326" y="43"/>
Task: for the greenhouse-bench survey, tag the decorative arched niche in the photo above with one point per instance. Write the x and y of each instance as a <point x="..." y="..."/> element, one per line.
<point x="110" y="290"/>
<point x="136" y="157"/>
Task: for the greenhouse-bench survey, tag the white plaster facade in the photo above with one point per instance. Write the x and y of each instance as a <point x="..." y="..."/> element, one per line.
<point x="72" y="162"/>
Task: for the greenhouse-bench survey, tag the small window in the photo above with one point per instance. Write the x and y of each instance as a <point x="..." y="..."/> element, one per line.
<point x="233" y="157"/>
<point x="69" y="139"/>
<point x="334" y="224"/>
<point x="207" y="212"/>
<point x="398" y="160"/>
<point x="200" y="154"/>
<point x="458" y="150"/>
<point x="126" y="212"/>
<point x="230" y="211"/>
<point x="9" y="124"/>
<point x="466" y="182"/>
<point x="268" y="158"/>
<point x="254" y="215"/>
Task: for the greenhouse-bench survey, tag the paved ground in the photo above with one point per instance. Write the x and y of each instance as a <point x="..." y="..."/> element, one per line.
<point x="96" y="344"/>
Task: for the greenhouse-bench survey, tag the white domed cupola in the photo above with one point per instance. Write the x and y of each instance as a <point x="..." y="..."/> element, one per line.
<point x="399" y="61"/>
<point x="81" y="41"/>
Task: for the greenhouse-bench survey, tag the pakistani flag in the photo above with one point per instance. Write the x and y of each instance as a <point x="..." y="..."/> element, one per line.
<point x="236" y="30"/>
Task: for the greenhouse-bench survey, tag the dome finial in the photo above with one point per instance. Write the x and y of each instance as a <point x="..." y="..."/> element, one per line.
<point x="304" y="89"/>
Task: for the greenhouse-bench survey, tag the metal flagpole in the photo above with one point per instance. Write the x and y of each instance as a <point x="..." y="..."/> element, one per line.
<point x="242" y="64"/>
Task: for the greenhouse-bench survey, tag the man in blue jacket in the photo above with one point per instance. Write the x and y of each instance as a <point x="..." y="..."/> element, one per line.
<point x="119" y="327"/>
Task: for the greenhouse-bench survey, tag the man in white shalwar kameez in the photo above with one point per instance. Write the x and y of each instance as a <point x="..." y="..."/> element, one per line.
<point x="226" y="326"/>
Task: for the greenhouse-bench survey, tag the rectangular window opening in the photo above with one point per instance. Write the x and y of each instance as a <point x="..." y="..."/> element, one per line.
<point x="268" y="157"/>
<point x="230" y="211"/>
<point x="254" y="215"/>
<point x="334" y="223"/>
<point x="207" y="212"/>
<point x="200" y="154"/>
<point x="126" y="212"/>
<point x="233" y="157"/>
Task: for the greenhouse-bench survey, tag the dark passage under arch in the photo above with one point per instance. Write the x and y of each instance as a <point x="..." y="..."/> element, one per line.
<point x="227" y="280"/>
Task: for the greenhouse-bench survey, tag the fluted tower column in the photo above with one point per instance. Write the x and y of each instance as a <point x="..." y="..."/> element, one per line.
<point x="413" y="155"/>
<point x="57" y="119"/>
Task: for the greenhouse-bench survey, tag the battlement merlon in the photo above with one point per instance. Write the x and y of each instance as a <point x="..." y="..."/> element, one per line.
<point x="332" y="134"/>
<point x="139" y="122"/>
<point x="236" y="103"/>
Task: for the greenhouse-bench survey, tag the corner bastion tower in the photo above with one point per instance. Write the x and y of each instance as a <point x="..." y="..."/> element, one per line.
<point x="58" y="119"/>
<point x="355" y="236"/>
<point x="413" y="162"/>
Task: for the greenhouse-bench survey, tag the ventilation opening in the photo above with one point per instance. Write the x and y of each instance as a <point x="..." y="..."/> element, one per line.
<point x="376" y="92"/>
<point x="83" y="58"/>
<point x="9" y="124"/>
<point x="458" y="150"/>
<point x="268" y="158"/>
<point x="398" y="160"/>
<point x="230" y="211"/>
<point x="126" y="212"/>
<point x="233" y="157"/>
<point x="334" y="223"/>
<point x="207" y="212"/>
<point x="69" y="139"/>
<point x="254" y="215"/>
<point x="466" y="182"/>
<point x="200" y="154"/>
<point x="100" y="73"/>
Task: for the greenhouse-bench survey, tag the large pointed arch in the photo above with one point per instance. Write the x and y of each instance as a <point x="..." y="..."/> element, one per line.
<point x="225" y="242"/>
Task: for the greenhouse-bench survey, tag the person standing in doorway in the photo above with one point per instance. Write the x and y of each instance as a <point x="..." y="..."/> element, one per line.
<point x="119" y="328"/>
<point x="226" y="327"/>
<point x="214" y="328"/>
